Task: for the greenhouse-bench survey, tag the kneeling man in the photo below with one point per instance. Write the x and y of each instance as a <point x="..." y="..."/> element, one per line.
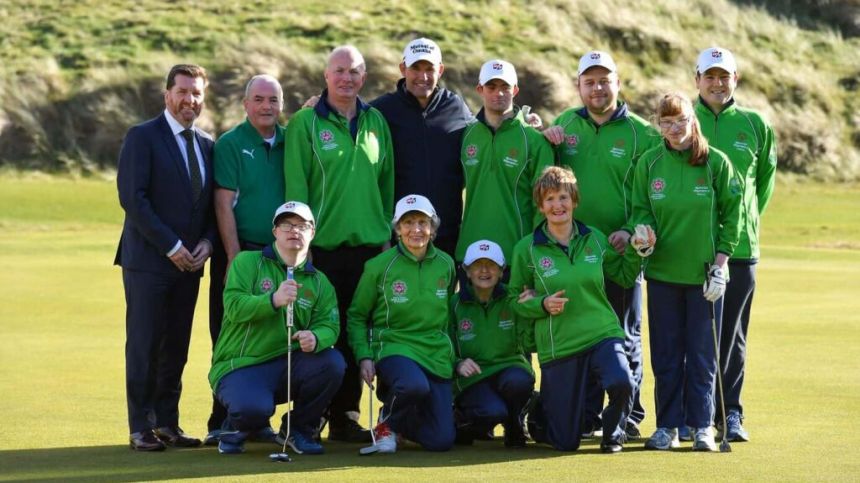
<point x="250" y="365"/>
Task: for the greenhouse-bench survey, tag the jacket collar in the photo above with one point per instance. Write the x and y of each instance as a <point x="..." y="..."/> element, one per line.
<point x="258" y="140"/>
<point x="467" y="293"/>
<point x="516" y="118"/>
<point x="541" y="237"/>
<point x="323" y="108"/>
<point x="270" y="253"/>
<point x="621" y="112"/>
<point x="701" y="106"/>
<point x="431" y="252"/>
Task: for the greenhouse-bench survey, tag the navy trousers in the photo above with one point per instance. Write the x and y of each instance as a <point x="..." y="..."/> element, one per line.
<point x="682" y="354"/>
<point x="251" y="393"/>
<point x="416" y="404"/>
<point x="159" y="313"/>
<point x="627" y="305"/>
<point x="737" y="303"/>
<point x="562" y="389"/>
<point x="498" y="399"/>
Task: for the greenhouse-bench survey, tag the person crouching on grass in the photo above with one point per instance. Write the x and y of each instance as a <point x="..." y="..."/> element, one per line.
<point x="249" y="363"/>
<point x="564" y="260"/>
<point x="398" y="329"/>
<point x="494" y="379"/>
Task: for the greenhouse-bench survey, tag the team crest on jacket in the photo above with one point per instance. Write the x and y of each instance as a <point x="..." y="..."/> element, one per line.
<point x="618" y="150"/>
<point x="505" y="320"/>
<point x="327" y="139"/>
<point x="511" y="159"/>
<point x="702" y="188"/>
<point x="266" y="284"/>
<point x="466" y="327"/>
<point x="442" y="288"/>
<point x="590" y="257"/>
<point x="399" y="288"/>
<point x="548" y="266"/>
<point x="657" y="187"/>
<point x="471" y="155"/>
<point x="741" y="143"/>
<point x="571" y="142"/>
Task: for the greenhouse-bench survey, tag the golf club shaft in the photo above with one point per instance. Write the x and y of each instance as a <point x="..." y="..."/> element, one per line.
<point x="712" y="306"/>
<point x="289" y="361"/>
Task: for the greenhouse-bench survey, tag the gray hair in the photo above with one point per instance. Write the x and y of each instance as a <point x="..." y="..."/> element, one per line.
<point x="435" y="222"/>
<point x="267" y="78"/>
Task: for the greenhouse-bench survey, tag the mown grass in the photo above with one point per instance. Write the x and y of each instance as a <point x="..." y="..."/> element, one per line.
<point x="62" y="376"/>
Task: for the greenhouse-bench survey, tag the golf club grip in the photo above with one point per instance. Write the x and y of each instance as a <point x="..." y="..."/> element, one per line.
<point x="290" y="276"/>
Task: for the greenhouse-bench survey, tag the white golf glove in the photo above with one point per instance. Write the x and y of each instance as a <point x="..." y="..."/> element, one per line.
<point x="531" y="118"/>
<point x="643" y="240"/>
<point x="715" y="284"/>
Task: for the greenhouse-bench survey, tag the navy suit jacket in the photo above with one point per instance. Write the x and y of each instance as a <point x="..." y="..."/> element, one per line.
<point x="155" y="192"/>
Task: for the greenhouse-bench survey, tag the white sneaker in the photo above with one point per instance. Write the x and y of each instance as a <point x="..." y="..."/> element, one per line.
<point x="663" y="439"/>
<point x="703" y="440"/>
<point x="386" y="439"/>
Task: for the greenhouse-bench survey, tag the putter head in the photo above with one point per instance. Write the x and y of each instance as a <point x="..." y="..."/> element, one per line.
<point x="280" y="457"/>
<point x="368" y="450"/>
<point x="725" y="447"/>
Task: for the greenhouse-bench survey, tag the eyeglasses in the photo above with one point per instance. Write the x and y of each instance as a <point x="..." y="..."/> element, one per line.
<point x="301" y="228"/>
<point x="670" y="124"/>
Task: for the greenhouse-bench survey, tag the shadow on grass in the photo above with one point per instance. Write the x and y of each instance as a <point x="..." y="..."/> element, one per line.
<point x="118" y="463"/>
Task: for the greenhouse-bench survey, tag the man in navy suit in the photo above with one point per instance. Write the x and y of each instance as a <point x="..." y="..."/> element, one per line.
<point x="164" y="180"/>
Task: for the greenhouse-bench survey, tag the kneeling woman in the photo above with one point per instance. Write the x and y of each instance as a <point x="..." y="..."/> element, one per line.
<point x="398" y="329"/>
<point x="494" y="380"/>
<point x="565" y="261"/>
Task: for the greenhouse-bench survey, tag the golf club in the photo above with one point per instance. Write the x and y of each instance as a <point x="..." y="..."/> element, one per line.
<point x="372" y="448"/>
<point x="283" y="456"/>
<point x="724" y="444"/>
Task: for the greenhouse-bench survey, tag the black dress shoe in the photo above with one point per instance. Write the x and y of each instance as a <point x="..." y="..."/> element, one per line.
<point x="612" y="447"/>
<point x="145" y="441"/>
<point x="348" y="431"/>
<point x="176" y="437"/>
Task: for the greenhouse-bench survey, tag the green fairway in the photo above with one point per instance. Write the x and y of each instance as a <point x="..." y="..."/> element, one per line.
<point x="62" y="377"/>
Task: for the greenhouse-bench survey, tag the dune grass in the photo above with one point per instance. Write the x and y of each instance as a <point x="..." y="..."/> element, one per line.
<point x="62" y="372"/>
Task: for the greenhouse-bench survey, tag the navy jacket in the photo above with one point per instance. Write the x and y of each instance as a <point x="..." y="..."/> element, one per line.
<point x="427" y="150"/>
<point x="155" y="192"/>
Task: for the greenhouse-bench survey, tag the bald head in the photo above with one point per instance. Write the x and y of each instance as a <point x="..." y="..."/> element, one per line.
<point x="345" y="74"/>
<point x="264" y="100"/>
<point x="264" y="79"/>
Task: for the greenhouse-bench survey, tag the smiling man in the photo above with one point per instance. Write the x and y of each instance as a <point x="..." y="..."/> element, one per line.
<point x="164" y="180"/>
<point x="427" y="123"/>
<point x="749" y="141"/>
<point x="340" y="161"/>
<point x="249" y="178"/>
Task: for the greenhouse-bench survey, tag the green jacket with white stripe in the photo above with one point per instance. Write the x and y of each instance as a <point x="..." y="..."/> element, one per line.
<point x="603" y="158"/>
<point x="750" y="143"/>
<point x="500" y="169"/>
<point x="344" y="171"/>
<point x="254" y="331"/>
<point x="541" y="263"/>
<point x="400" y="307"/>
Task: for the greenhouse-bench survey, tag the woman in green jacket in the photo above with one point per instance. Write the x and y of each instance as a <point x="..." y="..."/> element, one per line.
<point x="494" y="379"/>
<point x="576" y="332"/>
<point x="398" y="329"/>
<point x="689" y="193"/>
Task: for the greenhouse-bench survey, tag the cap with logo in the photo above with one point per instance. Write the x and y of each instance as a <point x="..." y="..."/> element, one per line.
<point x="296" y="208"/>
<point x="716" y="57"/>
<point x="413" y="203"/>
<point x="484" y="249"/>
<point x="596" y="58"/>
<point x="498" y="69"/>
<point x="422" y="49"/>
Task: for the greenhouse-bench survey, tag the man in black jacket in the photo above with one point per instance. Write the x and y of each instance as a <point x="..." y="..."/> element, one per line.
<point x="427" y="123"/>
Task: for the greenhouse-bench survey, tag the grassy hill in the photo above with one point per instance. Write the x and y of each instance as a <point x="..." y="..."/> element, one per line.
<point x="75" y="75"/>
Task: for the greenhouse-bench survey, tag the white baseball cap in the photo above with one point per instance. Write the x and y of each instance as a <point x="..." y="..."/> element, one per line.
<point x="422" y="49"/>
<point x="596" y="58"/>
<point x="716" y="57"/>
<point x="498" y="69"/>
<point x="484" y="249"/>
<point x="296" y="208"/>
<point x="413" y="203"/>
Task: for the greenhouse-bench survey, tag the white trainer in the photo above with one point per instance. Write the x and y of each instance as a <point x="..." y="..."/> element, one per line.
<point x="703" y="440"/>
<point x="663" y="439"/>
